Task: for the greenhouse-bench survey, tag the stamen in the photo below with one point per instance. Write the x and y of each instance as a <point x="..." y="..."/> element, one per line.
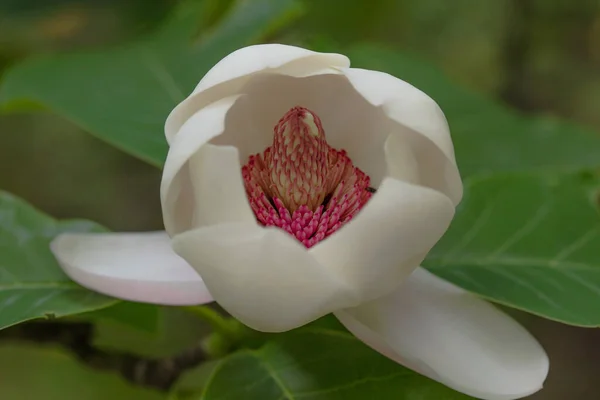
<point x="301" y="184"/>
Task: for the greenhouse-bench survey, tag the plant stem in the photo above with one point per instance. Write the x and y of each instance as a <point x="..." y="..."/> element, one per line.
<point x="229" y="328"/>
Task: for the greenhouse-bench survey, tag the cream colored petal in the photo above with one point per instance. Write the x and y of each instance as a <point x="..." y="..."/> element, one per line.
<point x="131" y="266"/>
<point x="421" y="123"/>
<point x="402" y="163"/>
<point x="388" y="238"/>
<point x="230" y="74"/>
<point x="350" y="122"/>
<point x="262" y="276"/>
<point x="453" y="337"/>
<point x="216" y="179"/>
<point x="269" y="58"/>
<point x="216" y="167"/>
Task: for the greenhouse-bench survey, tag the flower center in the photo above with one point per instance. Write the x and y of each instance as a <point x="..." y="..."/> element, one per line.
<point x="301" y="184"/>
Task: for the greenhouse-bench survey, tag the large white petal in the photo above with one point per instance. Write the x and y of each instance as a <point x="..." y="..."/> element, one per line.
<point x="217" y="185"/>
<point x="349" y="121"/>
<point x="401" y="160"/>
<point x="216" y="179"/>
<point x="272" y="57"/>
<point x="453" y="337"/>
<point x="388" y="239"/>
<point x="262" y="276"/>
<point x="230" y="74"/>
<point x="133" y="266"/>
<point x="420" y="121"/>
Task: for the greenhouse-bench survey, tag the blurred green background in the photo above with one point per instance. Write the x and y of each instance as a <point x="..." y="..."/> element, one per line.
<point x="540" y="56"/>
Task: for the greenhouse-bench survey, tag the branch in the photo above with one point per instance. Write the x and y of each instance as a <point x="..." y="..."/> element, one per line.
<point x="160" y="373"/>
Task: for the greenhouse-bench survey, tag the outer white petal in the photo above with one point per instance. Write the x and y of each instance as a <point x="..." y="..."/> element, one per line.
<point x="262" y="276"/>
<point x="388" y="239"/>
<point x="421" y="123"/>
<point x="453" y="337"/>
<point x="132" y="266"/>
<point x="216" y="179"/>
<point x="270" y="58"/>
<point x="230" y="74"/>
<point x="350" y="122"/>
<point x="212" y="191"/>
<point x="401" y="159"/>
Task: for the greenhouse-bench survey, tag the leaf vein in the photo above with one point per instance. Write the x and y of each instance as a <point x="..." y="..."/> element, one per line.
<point x="576" y="245"/>
<point x="526" y="229"/>
<point x="286" y="394"/>
<point x="211" y="378"/>
<point x="479" y="223"/>
<point x="352" y="384"/>
<point x="162" y="75"/>
<point x="541" y="295"/>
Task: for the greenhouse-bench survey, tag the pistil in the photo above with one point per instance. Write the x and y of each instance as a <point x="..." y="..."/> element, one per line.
<point x="301" y="184"/>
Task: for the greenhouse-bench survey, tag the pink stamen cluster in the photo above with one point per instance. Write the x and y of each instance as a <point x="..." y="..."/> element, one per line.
<point x="301" y="184"/>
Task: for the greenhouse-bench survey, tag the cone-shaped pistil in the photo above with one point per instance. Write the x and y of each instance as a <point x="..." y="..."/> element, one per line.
<point x="301" y="184"/>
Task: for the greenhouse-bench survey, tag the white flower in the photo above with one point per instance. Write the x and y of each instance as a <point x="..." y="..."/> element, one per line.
<point x="364" y="270"/>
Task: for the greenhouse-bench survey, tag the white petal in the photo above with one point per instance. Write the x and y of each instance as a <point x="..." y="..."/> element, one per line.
<point x="133" y="266"/>
<point x="421" y="123"/>
<point x="453" y="337"/>
<point x="401" y="160"/>
<point x="270" y="57"/>
<point x="230" y="74"/>
<point x="215" y="165"/>
<point x="349" y="121"/>
<point x="388" y="239"/>
<point x="262" y="276"/>
<point x="216" y="178"/>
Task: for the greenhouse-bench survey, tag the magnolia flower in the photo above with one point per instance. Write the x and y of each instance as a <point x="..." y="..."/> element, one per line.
<point x="296" y="186"/>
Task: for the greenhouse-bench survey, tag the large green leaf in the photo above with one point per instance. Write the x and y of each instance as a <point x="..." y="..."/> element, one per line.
<point x="136" y="316"/>
<point x="32" y="285"/>
<point x="488" y="137"/>
<point x="124" y="95"/>
<point x="175" y="331"/>
<point x="30" y="372"/>
<point x="529" y="241"/>
<point x="316" y="363"/>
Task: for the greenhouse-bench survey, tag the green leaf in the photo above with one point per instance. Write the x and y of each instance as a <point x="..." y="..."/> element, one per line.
<point x="488" y="136"/>
<point x="315" y="363"/>
<point x="124" y="95"/>
<point x="138" y="316"/>
<point x="145" y="329"/>
<point x="30" y="372"/>
<point x="176" y="330"/>
<point x="529" y="241"/>
<point x="32" y="285"/>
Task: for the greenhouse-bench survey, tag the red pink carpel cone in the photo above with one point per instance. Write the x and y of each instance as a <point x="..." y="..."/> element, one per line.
<point x="301" y="184"/>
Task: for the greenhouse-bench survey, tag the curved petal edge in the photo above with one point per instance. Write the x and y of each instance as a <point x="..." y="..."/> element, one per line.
<point x="230" y="74"/>
<point x="452" y="336"/>
<point x="132" y="266"/>
<point x="263" y="276"/>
